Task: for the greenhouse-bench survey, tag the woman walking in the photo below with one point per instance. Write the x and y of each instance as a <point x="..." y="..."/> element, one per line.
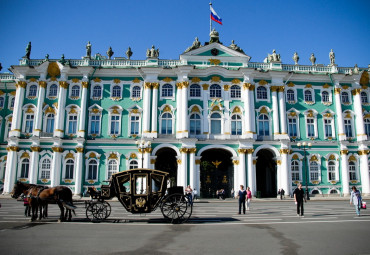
<point x="249" y="198"/>
<point x="356" y="200"/>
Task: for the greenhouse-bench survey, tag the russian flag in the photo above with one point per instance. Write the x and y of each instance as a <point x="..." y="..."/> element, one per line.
<point x="215" y="17"/>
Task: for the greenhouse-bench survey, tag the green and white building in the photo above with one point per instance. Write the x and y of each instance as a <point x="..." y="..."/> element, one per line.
<point x="213" y="119"/>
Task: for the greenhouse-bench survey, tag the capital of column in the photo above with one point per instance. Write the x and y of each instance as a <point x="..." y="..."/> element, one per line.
<point x="205" y="86"/>
<point x="249" y="86"/>
<point x="236" y="162"/>
<point x="250" y="151"/>
<point x="337" y="90"/>
<point x="57" y="149"/>
<point x="363" y="152"/>
<point x="85" y="84"/>
<point x="12" y="148"/>
<point x="285" y="151"/>
<point x="281" y="89"/>
<point x="242" y="151"/>
<point x="274" y="88"/>
<point x="35" y="148"/>
<point x="155" y="85"/>
<point x="63" y="84"/>
<point x="185" y="84"/>
<point x="226" y="87"/>
<point x="42" y="84"/>
<point x="21" y="84"/>
<point x="147" y="85"/>
<point x="344" y="152"/>
<point x="80" y="149"/>
<point x="179" y="85"/>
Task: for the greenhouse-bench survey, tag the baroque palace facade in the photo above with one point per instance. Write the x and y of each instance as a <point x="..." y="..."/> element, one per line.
<point x="213" y="119"/>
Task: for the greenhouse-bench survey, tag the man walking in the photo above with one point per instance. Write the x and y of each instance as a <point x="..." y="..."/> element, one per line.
<point x="242" y="197"/>
<point x="298" y="198"/>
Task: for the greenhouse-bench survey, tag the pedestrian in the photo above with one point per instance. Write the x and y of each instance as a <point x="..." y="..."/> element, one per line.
<point x="282" y="192"/>
<point x="189" y="194"/>
<point x="27" y="208"/>
<point x="249" y="198"/>
<point x="242" y="194"/>
<point x="279" y="192"/>
<point x="298" y="198"/>
<point x="232" y="193"/>
<point x="195" y="193"/>
<point x="356" y="200"/>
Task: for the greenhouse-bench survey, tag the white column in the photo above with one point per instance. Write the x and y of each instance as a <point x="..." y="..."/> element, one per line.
<point x="360" y="127"/>
<point x="340" y="122"/>
<point x="248" y="111"/>
<point x="81" y="126"/>
<point x="275" y="112"/>
<point x="282" y="110"/>
<point x="184" y="109"/>
<point x="34" y="163"/>
<point x="252" y="110"/>
<point x="147" y="152"/>
<point x="11" y="168"/>
<point x="40" y="101"/>
<point x="284" y="171"/>
<point x="56" y="166"/>
<point x="155" y="110"/>
<point x="345" y="174"/>
<point x="205" y="109"/>
<point x="236" y="163"/>
<point x="17" y="112"/>
<point x="364" y="171"/>
<point x="79" y="168"/>
<point x="197" y="175"/>
<point x="181" y="176"/>
<point x="242" y="170"/>
<point x="250" y="169"/>
<point x="193" y="170"/>
<point x="254" y="186"/>
<point x="146" y="109"/>
<point x="179" y="110"/>
<point x="59" y="125"/>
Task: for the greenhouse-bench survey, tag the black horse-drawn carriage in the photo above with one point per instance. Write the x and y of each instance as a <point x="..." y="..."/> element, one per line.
<point x="141" y="191"/>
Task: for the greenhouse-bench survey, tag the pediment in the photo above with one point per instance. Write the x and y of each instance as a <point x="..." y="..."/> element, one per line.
<point x="215" y="51"/>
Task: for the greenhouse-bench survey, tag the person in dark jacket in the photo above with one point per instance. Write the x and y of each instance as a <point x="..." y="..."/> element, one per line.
<point x="298" y="198"/>
<point x="242" y="197"/>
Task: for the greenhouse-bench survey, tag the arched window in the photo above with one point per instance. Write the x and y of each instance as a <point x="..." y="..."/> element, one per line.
<point x="2" y="100"/>
<point x="75" y="91"/>
<point x="367" y="127"/>
<point x="215" y="90"/>
<point x="261" y="92"/>
<point x="136" y="92"/>
<point x="352" y="171"/>
<point x="345" y="98"/>
<point x="50" y="123"/>
<point x="112" y="168"/>
<point x="235" y="91"/>
<point x="236" y="125"/>
<point x="195" y="90"/>
<point x="167" y="90"/>
<point x="364" y="98"/>
<point x="195" y="124"/>
<point x="290" y="95"/>
<point x="308" y="96"/>
<point x="45" y="168"/>
<point x="166" y="128"/>
<point x="135" y="121"/>
<point x="25" y="168"/>
<point x="92" y="170"/>
<point x="333" y="191"/>
<point x="314" y="171"/>
<point x="325" y="96"/>
<point x="97" y="91"/>
<point x="53" y="90"/>
<point x="134" y="164"/>
<point x="215" y="123"/>
<point x="295" y="170"/>
<point x="69" y="169"/>
<point x="32" y="91"/>
<point x="263" y="125"/>
<point x="116" y="91"/>
<point x="331" y="171"/>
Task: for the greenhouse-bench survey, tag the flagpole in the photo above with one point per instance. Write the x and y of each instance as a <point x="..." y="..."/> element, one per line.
<point x="210" y="20"/>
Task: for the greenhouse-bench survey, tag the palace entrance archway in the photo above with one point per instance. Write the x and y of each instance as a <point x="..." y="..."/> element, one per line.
<point x="216" y="172"/>
<point x="167" y="162"/>
<point x="266" y="174"/>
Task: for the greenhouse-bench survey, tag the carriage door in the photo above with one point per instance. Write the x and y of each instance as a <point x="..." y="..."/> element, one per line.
<point x="140" y="202"/>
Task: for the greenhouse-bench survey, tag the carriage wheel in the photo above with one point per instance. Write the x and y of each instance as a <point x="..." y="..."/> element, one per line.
<point x="176" y="208"/>
<point x="108" y="209"/>
<point x="98" y="210"/>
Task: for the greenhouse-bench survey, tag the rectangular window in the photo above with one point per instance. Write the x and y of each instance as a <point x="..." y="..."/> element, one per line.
<point x="310" y="128"/>
<point x="114" y="128"/>
<point x="29" y="123"/>
<point x="134" y="125"/>
<point x="292" y="126"/>
<point x="348" y="127"/>
<point x="95" y="124"/>
<point x="328" y="128"/>
<point x="72" y="124"/>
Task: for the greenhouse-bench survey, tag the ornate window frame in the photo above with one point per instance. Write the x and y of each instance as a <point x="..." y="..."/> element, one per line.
<point x="2" y="99"/>
<point x="312" y="91"/>
<point x="349" y="115"/>
<point x="28" y="111"/>
<point x="22" y="156"/>
<point x="213" y="93"/>
<point x="296" y="157"/>
<point x="48" y="90"/>
<point x="45" y="155"/>
<point x="314" y="158"/>
<point x="89" y="156"/>
<point x="74" y="97"/>
<point x="133" y="90"/>
<point x="328" y="115"/>
<point x="134" y="111"/>
<point x="266" y="111"/>
<point x="28" y="90"/>
<point x="48" y="110"/>
<point x="354" y="158"/>
<point x="72" y="110"/>
<point x="221" y="119"/>
<point x="115" y="110"/>
<point x="66" y="156"/>
<point x="95" y="110"/>
<point x="366" y="97"/>
<point x="330" y="97"/>
<point x="114" y="86"/>
<point x="237" y="90"/>
<point x="93" y="85"/>
<point x="8" y="126"/>
<point x="342" y="96"/>
<point x="2" y="168"/>
<point x="162" y="90"/>
<point x="265" y="86"/>
<point x="294" y="90"/>
<point x="311" y="114"/>
<point x="112" y="156"/>
<point x="241" y="120"/>
<point x="196" y="90"/>
<point x="293" y="114"/>
<point x="332" y="157"/>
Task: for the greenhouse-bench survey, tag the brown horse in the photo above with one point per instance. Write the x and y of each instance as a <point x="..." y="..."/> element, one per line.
<point x="40" y="196"/>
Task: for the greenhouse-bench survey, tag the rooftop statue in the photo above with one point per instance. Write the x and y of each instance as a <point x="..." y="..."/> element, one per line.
<point x="332" y="57"/>
<point x="110" y="52"/>
<point x="235" y="47"/>
<point x="313" y="59"/>
<point x="88" y="50"/>
<point x="129" y="53"/>
<point x="196" y="44"/>
<point x="152" y="53"/>
<point x="273" y="57"/>
<point x="356" y="70"/>
<point x="295" y="58"/>
<point x="28" y="51"/>
<point x="214" y="37"/>
<point x="62" y="60"/>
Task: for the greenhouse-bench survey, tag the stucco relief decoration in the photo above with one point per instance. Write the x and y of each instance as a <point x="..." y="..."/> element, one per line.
<point x="236" y="81"/>
<point x="136" y="80"/>
<point x="195" y="109"/>
<point x="262" y="82"/>
<point x="53" y="69"/>
<point x="167" y="79"/>
<point x="215" y="79"/>
<point x="195" y="80"/>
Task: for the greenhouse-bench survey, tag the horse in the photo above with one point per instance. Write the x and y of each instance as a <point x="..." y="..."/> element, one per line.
<point x="60" y="195"/>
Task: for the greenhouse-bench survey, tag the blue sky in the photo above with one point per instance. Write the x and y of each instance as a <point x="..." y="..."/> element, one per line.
<point x="258" y="27"/>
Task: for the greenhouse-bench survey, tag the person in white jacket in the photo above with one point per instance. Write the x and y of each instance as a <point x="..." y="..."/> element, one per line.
<point x="356" y="200"/>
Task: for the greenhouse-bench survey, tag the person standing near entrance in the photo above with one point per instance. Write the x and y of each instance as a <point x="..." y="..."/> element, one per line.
<point x="189" y="193"/>
<point x="242" y="194"/>
<point x="249" y="198"/>
<point x="298" y="198"/>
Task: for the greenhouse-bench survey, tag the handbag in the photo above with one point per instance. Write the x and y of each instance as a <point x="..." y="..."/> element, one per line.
<point x="363" y="205"/>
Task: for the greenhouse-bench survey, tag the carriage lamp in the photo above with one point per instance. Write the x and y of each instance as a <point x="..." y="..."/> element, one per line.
<point x="305" y="146"/>
<point x="142" y="145"/>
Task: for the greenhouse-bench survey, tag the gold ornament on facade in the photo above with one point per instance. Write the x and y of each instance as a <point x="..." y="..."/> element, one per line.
<point x="326" y="86"/>
<point x="57" y="149"/>
<point x="21" y="84"/>
<point x="116" y="81"/>
<point x="262" y="82"/>
<point x="356" y="91"/>
<point x="205" y="86"/>
<point x="85" y="84"/>
<point x="115" y="110"/>
<point x="53" y="79"/>
<point x="216" y="108"/>
<point x="68" y="181"/>
<point x="236" y="110"/>
<point x="63" y="84"/>
<point x="208" y="180"/>
<point x="263" y="110"/>
<point x="331" y="157"/>
<point x="315" y="182"/>
<point x="73" y="110"/>
<point x="197" y="161"/>
<point x="242" y="151"/>
<point x="348" y="115"/>
<point x="284" y="151"/>
<point x="236" y="81"/>
<point x="192" y="150"/>
<point x="25" y="155"/>
<point x="112" y="156"/>
<point x="364" y="80"/>
<point x="155" y="85"/>
<point x="226" y="87"/>
<point x="215" y="62"/>
<point x="195" y="109"/>
<point x="92" y="155"/>
<point x="274" y="88"/>
<point x="363" y="152"/>
<point x="167" y="109"/>
<point x="352" y="158"/>
<point x="35" y="148"/>
<point x="224" y="179"/>
<point x="22" y="179"/>
<point x="148" y="150"/>
<point x="147" y="85"/>
<point x="179" y="85"/>
<point x="167" y="79"/>
<point x="236" y="162"/>
<point x="310" y="114"/>
<point x="56" y="105"/>
<point x="185" y="84"/>
<point x="33" y="79"/>
<point x="91" y="181"/>
<point x="53" y="69"/>
<point x="345" y="87"/>
<point x="314" y="158"/>
<point x="13" y="93"/>
<point x="327" y="115"/>
<point x="215" y="78"/>
<point x="178" y="161"/>
<point x="75" y="80"/>
<point x="290" y="84"/>
<point x="30" y="109"/>
<point x="250" y="151"/>
<point x="292" y="114"/>
<point x="343" y="152"/>
<point x="95" y="110"/>
<point x="152" y="161"/>
<point x="295" y="157"/>
<point x="278" y="162"/>
<point x="43" y="84"/>
<point x="133" y="155"/>
<point x="246" y="85"/>
<point x="281" y="88"/>
<point x="216" y="163"/>
<point x="115" y="98"/>
<point x="195" y="80"/>
<point x="70" y="155"/>
<point x="308" y="86"/>
<point x="97" y="79"/>
<point x="136" y="80"/>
